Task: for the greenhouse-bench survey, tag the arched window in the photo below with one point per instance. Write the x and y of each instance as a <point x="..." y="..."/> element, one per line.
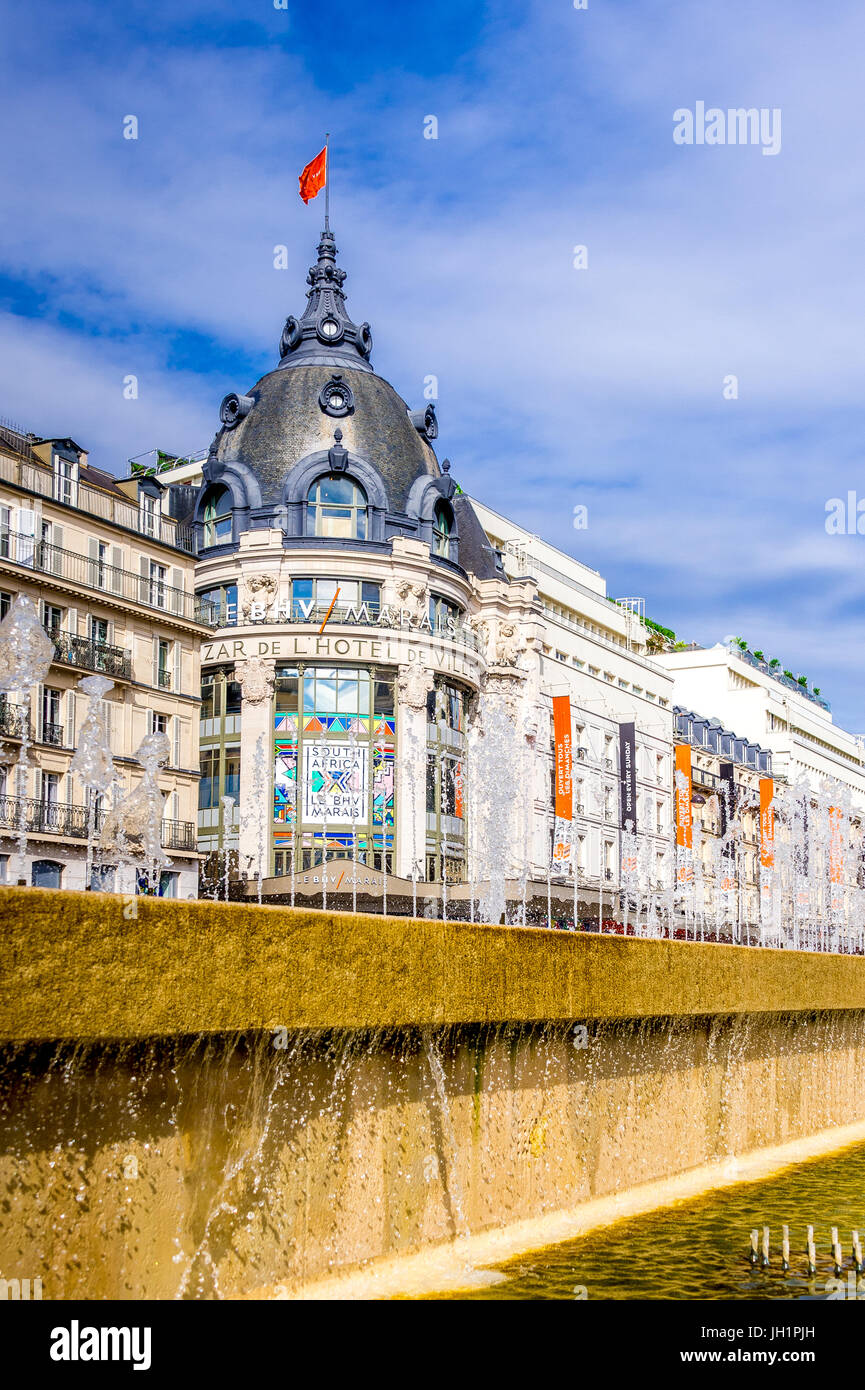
<point x="217" y="517"/>
<point x="442" y="530"/>
<point x="47" y="874"/>
<point x="336" y="507"/>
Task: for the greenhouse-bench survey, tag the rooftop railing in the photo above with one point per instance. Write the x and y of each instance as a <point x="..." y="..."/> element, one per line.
<point x="41" y="479"/>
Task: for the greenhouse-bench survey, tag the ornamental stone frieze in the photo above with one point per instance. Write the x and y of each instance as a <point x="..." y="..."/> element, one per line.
<point x="500" y="640"/>
<point x="508" y="685"/>
<point x="259" y="591"/>
<point x="255" y="675"/>
<point x="414" y="682"/>
<point x="412" y="599"/>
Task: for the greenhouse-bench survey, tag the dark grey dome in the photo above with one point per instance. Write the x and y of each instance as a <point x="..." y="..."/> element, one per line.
<point x="323" y="412"/>
<point x="287" y="422"/>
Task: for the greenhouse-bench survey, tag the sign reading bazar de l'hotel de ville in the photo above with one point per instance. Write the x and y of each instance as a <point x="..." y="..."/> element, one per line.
<point x="405" y="642"/>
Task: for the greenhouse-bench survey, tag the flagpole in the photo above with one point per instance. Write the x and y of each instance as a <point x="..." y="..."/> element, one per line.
<point x="327" y="182"/>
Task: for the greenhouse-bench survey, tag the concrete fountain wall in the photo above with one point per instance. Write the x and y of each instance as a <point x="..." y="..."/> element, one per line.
<point x="202" y="1099"/>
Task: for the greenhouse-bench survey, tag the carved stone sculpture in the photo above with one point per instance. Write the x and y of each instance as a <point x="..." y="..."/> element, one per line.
<point x="259" y="588"/>
<point x="413" y="685"/>
<point x="414" y="598"/>
<point x="256" y="680"/>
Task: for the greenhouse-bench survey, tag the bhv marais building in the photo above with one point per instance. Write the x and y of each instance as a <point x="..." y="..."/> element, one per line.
<point x="384" y="654"/>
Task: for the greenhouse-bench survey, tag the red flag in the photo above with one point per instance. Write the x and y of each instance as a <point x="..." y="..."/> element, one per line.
<point x="314" y="176"/>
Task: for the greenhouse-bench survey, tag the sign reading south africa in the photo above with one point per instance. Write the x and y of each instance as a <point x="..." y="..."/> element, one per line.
<point x="335" y="784"/>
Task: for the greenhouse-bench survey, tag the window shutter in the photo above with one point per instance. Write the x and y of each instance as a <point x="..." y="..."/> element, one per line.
<point x="57" y="543"/>
<point x="177" y="597"/>
<point x="155" y="667"/>
<point x="93" y="556"/>
<point x="116" y="569"/>
<point x="70" y="790"/>
<point x="40" y="706"/>
<point x="69" y="739"/>
<point x="150" y="721"/>
<point x="26" y="525"/>
<point x="178" y="652"/>
<point x="177" y="736"/>
<point x="143" y="584"/>
<point x="72" y="621"/>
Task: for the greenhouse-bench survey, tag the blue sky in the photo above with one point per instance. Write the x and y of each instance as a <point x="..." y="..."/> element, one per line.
<point x="556" y="386"/>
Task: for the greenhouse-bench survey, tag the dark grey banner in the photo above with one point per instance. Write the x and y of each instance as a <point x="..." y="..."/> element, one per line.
<point x="628" y="776"/>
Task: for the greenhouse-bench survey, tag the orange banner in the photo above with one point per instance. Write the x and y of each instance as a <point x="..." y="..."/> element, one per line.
<point x="836" y="845"/>
<point x="767" y="823"/>
<point x="562" y="743"/>
<point x="458" y="791"/>
<point x="684" y="825"/>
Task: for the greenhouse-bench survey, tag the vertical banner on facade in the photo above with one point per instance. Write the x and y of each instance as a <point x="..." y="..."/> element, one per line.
<point x="458" y="791"/>
<point x="628" y="798"/>
<point x="767" y="823"/>
<point x="726" y="797"/>
<point x="564" y="795"/>
<point x="727" y="790"/>
<point x="684" y="825"/>
<point x="628" y="776"/>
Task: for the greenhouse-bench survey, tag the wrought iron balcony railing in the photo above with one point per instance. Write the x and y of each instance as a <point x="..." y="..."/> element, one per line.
<point x="52" y="733"/>
<point x="87" y="655"/>
<point x="61" y="818"/>
<point x="151" y="591"/>
<point x="14" y="719"/>
<point x="163" y="680"/>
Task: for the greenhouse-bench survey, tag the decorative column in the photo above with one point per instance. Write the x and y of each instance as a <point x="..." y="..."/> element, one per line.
<point x="414" y="682"/>
<point x="256" y="676"/>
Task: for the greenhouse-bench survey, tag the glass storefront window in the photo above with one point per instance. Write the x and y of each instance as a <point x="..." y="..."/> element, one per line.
<point x="334" y="766"/>
<point x="445" y="788"/>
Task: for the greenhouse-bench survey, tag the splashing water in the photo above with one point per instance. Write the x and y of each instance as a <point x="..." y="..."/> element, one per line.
<point x="133" y="827"/>
<point x="228" y="804"/>
<point x="92" y="760"/>
<point x="26" y="654"/>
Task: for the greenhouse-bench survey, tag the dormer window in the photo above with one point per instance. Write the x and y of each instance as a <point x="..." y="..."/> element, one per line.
<point x="217" y="517"/>
<point x="149" y="514"/>
<point x="442" y="530"/>
<point x="336" y="509"/>
<point x="65" y="480"/>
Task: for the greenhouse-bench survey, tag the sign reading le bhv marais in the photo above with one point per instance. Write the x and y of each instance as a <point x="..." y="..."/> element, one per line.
<point x="335" y="784"/>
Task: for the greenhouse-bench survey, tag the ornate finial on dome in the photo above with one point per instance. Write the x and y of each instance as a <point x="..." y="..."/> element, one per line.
<point x="445" y="483"/>
<point x="337" y="456"/>
<point x="325" y="334"/>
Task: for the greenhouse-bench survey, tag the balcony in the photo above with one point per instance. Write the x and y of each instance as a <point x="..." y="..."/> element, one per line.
<point x="14" y="719"/>
<point x="37" y="477"/>
<point x="86" y="573"/>
<point x="87" y="655"/>
<point x="163" y="679"/>
<point x="179" y="834"/>
<point x="51" y="734"/>
<point x="60" y="818"/>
